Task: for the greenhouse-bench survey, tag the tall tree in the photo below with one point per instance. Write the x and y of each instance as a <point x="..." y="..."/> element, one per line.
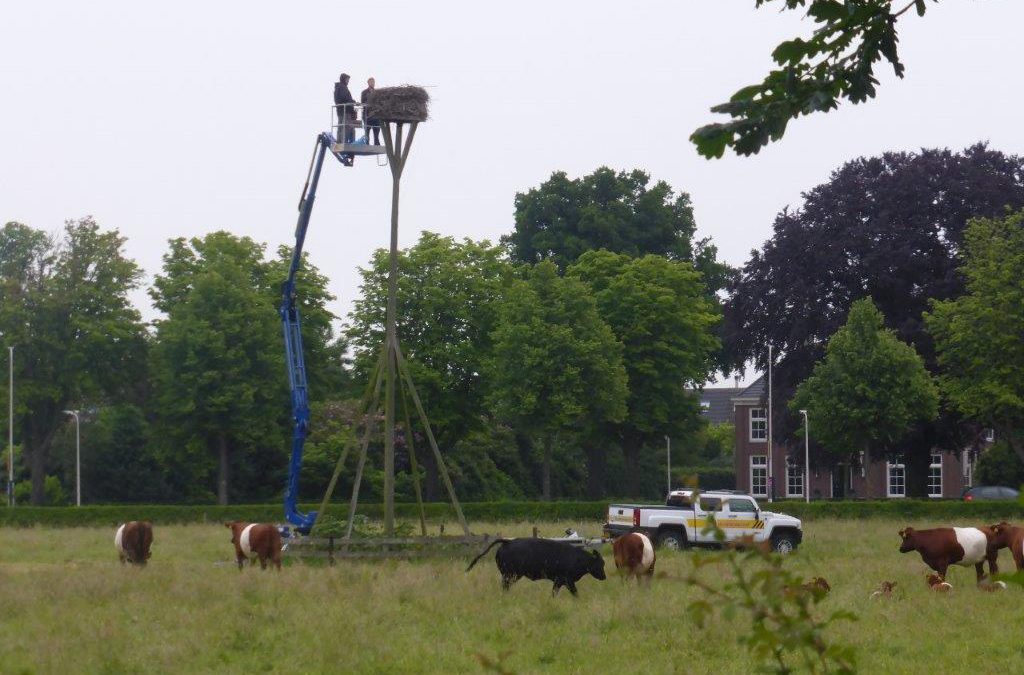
<point x="837" y="61"/>
<point x="64" y="306"/>
<point x="870" y="389"/>
<point x="218" y="368"/>
<point x="979" y="336"/>
<point x="448" y="293"/>
<point x="889" y="228"/>
<point x="555" y="363"/>
<point x="658" y="310"/>
<point x="620" y="212"/>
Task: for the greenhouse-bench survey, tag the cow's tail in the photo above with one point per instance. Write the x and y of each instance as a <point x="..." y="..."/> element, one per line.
<point x="484" y="552"/>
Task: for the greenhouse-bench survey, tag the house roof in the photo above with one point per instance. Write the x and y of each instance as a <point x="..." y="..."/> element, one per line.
<point x="716" y="403"/>
<point x="754" y="392"/>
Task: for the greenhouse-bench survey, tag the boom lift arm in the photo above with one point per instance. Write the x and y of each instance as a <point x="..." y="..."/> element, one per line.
<point x="292" y="325"/>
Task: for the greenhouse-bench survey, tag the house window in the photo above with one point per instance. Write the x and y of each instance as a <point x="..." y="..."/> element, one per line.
<point x="990" y="435"/>
<point x="968" y="466"/>
<point x="896" y="480"/>
<point x="705" y="407"/>
<point x="759" y="475"/>
<point x="758" y="425"/>
<point x="794" y="480"/>
<point x="935" y="475"/>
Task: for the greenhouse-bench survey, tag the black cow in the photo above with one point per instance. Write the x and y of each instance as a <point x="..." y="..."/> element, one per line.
<point x="557" y="561"/>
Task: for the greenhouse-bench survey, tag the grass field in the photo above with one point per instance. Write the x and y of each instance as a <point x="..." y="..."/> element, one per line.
<point x="67" y="606"/>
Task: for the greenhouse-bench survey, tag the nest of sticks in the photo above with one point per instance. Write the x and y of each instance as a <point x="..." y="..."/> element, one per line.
<point x="407" y="103"/>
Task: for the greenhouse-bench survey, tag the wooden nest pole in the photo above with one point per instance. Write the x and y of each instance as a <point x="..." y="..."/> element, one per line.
<point x="394" y="108"/>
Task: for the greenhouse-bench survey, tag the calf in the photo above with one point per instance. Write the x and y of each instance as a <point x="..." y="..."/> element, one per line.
<point x="945" y="546"/>
<point x="133" y="540"/>
<point x="938" y="584"/>
<point x="256" y="540"/>
<point x="634" y="556"/>
<point x="1011" y="537"/>
<point x="557" y="561"/>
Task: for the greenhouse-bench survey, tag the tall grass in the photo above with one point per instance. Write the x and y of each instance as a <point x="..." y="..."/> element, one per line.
<point x="68" y="606"/>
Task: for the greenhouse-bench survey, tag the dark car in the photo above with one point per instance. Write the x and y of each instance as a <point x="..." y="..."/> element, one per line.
<point x="990" y="492"/>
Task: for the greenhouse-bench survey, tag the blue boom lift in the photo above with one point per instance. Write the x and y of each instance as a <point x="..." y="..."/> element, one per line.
<point x="289" y="311"/>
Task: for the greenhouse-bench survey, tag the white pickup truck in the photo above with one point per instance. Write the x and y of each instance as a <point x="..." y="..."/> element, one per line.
<point x="678" y="524"/>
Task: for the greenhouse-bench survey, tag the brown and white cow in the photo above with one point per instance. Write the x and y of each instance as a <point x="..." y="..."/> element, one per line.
<point x="256" y="540"/>
<point x="945" y="546"/>
<point x="1011" y="537"/>
<point x="634" y="556"/>
<point x="133" y="541"/>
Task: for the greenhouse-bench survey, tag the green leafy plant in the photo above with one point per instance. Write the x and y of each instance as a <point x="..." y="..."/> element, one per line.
<point x="787" y="630"/>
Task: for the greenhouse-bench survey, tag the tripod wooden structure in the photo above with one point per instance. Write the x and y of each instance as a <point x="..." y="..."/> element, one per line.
<point x="391" y="373"/>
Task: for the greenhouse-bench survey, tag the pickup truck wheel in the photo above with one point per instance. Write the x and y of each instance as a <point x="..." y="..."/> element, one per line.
<point x="672" y="540"/>
<point x="783" y="543"/>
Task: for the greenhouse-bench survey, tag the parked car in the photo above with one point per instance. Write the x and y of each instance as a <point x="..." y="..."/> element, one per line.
<point x="980" y="492"/>
<point x="679" y="523"/>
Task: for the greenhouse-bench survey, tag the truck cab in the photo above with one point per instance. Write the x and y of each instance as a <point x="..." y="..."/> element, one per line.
<point x="681" y="522"/>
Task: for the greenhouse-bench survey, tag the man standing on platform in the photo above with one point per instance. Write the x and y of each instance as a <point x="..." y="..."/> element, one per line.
<point x="346" y="113"/>
<point x="371" y="122"/>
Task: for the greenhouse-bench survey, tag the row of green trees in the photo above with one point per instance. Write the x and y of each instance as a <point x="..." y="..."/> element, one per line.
<point x="547" y="362"/>
<point x="553" y="363"/>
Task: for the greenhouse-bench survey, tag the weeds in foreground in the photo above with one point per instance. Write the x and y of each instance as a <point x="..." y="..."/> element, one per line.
<point x="786" y="635"/>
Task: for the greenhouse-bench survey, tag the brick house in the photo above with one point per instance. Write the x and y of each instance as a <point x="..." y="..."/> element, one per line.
<point x="949" y="474"/>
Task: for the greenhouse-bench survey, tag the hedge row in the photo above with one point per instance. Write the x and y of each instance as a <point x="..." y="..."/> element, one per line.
<point x="902" y="509"/>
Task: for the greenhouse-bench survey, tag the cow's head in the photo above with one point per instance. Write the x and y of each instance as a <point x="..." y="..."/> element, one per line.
<point x="1001" y="534"/>
<point x="235" y="528"/>
<point x="595" y="565"/>
<point x="909" y="543"/>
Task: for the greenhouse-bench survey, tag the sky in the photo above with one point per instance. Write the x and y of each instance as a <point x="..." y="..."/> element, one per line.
<point x="166" y="120"/>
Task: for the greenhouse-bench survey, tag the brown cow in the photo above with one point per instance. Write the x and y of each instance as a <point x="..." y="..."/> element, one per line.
<point x="133" y="540"/>
<point x="1011" y="537"/>
<point x="259" y="540"/>
<point x="634" y="556"/>
<point x="945" y="546"/>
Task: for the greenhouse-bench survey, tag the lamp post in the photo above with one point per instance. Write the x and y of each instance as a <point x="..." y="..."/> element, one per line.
<point x="771" y="459"/>
<point x="10" y="427"/>
<point x="807" y="458"/>
<point x="668" y="462"/>
<point x="78" y="457"/>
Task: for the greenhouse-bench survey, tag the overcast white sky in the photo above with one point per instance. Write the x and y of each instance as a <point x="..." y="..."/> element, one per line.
<point x="176" y="119"/>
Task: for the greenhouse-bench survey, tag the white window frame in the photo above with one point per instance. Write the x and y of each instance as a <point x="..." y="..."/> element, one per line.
<point x="936" y="463"/>
<point x="990" y="435"/>
<point x="968" y="468"/>
<point x="793" y="470"/>
<point x="761" y="464"/>
<point x="761" y="418"/>
<point x="889" y="466"/>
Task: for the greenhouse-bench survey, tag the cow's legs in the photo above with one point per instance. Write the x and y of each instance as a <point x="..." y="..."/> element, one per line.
<point x="507" y="580"/>
<point x="979" y="569"/>
<point x="993" y="562"/>
<point x="263" y="563"/>
<point x="240" y="558"/>
<point x="556" y="587"/>
<point x="571" y="585"/>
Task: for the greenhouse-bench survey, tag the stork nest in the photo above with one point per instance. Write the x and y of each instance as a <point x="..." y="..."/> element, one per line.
<point x="407" y="103"/>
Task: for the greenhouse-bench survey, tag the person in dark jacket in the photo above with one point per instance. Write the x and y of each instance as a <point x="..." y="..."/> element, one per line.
<point x="371" y="122"/>
<point x="346" y="113"/>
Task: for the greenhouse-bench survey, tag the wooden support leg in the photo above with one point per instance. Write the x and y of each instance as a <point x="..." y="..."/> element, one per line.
<point x="442" y="469"/>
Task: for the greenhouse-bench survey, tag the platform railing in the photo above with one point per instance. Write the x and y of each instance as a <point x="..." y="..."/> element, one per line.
<point x="349" y="118"/>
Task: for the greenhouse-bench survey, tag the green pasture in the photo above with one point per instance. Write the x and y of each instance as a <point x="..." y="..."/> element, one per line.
<point x="68" y="606"/>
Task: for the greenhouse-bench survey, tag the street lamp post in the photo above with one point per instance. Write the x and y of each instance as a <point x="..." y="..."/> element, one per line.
<point x="771" y="441"/>
<point x="807" y="458"/>
<point x="10" y="427"/>
<point x="668" y="462"/>
<point x="78" y="457"/>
